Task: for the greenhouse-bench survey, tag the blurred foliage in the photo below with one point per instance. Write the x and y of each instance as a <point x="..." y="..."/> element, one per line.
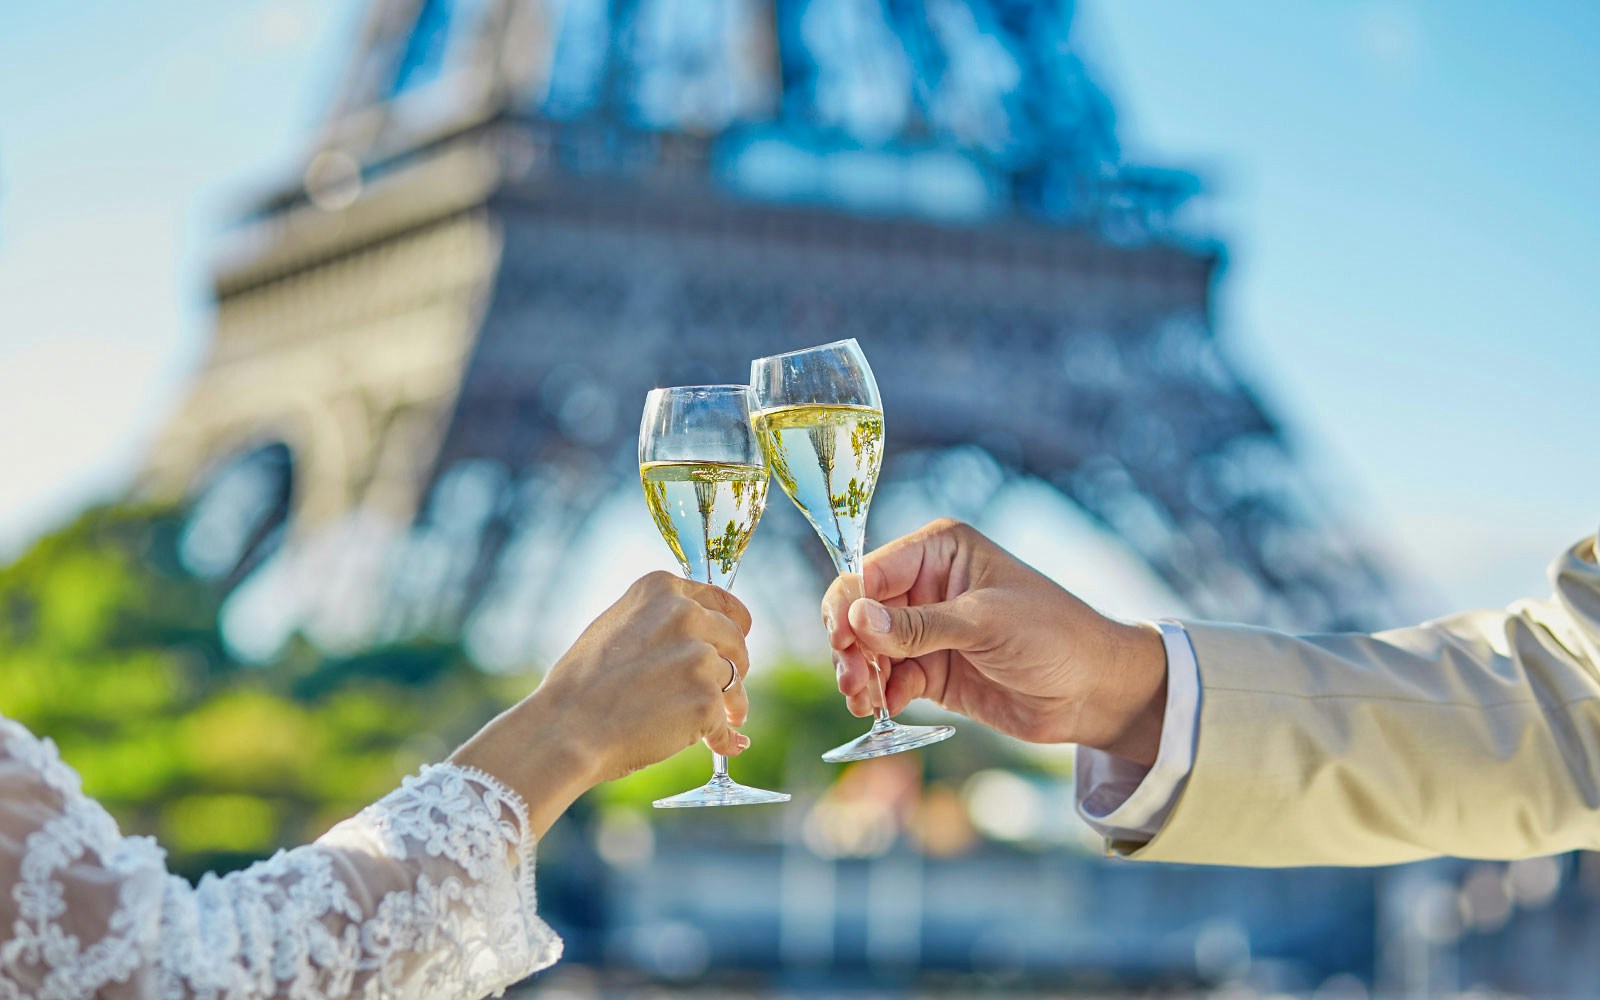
<point x="112" y="649"/>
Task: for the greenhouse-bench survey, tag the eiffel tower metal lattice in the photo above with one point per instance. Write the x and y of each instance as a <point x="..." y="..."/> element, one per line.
<point x="521" y="214"/>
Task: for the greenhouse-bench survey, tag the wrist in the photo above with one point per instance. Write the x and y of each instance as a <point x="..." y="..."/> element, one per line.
<point x="1133" y="699"/>
<point x="538" y="755"/>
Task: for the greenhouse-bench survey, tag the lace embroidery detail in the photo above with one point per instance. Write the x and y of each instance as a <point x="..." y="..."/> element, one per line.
<point x="427" y="893"/>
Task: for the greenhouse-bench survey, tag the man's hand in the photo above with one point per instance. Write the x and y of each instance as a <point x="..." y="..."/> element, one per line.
<point x="956" y="619"/>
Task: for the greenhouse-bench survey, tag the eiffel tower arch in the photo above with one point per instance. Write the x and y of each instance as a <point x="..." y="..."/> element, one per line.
<point x="522" y="214"/>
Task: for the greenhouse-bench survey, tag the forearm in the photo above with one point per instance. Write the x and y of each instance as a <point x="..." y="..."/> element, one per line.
<point x="1128" y="802"/>
<point x="1123" y="713"/>
<point x="428" y="892"/>
<point x="539" y="753"/>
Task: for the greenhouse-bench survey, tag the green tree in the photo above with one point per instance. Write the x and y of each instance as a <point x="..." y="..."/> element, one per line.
<point x="108" y="647"/>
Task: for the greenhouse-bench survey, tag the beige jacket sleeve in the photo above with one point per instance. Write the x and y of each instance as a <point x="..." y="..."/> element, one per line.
<point x="1476" y="736"/>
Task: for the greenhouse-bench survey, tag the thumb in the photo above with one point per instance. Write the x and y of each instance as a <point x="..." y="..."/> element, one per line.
<point x="913" y="630"/>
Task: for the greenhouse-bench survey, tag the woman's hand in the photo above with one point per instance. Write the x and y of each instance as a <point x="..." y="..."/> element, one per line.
<point x="642" y="682"/>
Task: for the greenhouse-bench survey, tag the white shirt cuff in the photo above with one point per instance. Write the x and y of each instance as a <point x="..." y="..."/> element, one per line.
<point x="1124" y="801"/>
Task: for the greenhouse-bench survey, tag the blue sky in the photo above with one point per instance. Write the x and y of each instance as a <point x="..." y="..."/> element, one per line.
<point x="1408" y="192"/>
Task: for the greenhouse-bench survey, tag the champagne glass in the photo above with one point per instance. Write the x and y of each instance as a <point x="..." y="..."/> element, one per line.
<point x="705" y="482"/>
<point x="821" y="424"/>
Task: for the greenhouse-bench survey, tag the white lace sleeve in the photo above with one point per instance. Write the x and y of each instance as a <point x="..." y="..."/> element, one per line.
<point x="428" y="893"/>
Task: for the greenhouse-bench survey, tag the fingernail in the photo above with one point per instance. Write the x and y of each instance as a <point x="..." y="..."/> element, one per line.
<point x="877" y="617"/>
<point x="838" y="667"/>
<point x="827" y="620"/>
<point x="743" y="742"/>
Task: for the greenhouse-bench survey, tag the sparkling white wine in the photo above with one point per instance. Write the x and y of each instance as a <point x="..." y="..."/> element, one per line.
<point x="707" y="512"/>
<point x="826" y="457"/>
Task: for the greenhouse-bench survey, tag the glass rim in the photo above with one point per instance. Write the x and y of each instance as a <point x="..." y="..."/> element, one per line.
<point x="805" y="350"/>
<point x="724" y="388"/>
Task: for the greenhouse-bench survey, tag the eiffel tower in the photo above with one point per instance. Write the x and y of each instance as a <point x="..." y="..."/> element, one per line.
<point x="519" y="215"/>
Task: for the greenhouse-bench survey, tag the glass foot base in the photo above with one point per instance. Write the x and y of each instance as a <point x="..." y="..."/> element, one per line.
<point x="720" y="791"/>
<point x="883" y="740"/>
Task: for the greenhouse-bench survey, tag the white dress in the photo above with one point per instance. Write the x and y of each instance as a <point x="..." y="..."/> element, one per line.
<point x="428" y="894"/>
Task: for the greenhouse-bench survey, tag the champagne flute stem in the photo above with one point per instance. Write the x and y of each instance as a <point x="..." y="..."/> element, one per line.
<point x="850" y="563"/>
<point x="719" y="763"/>
<point x="880" y="718"/>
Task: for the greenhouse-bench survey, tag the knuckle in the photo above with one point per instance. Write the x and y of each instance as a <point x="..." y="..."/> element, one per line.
<point x="732" y="608"/>
<point x="684" y="612"/>
<point x="916" y="627"/>
<point x="655" y="585"/>
<point x="710" y="667"/>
